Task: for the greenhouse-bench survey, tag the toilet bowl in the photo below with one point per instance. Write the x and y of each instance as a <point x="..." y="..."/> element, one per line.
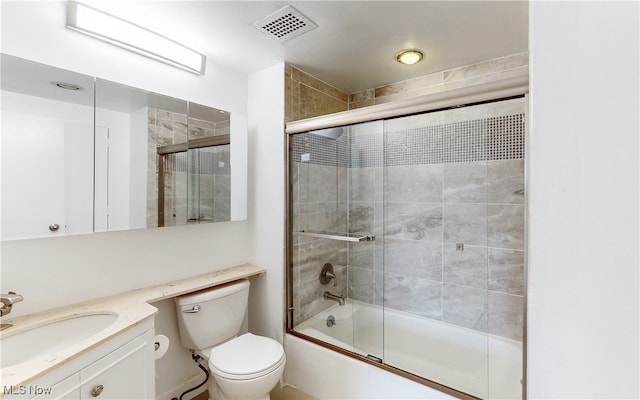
<point x="243" y="366"/>
<point x="246" y="367"/>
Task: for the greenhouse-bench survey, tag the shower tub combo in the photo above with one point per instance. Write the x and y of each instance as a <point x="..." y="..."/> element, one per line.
<point x="444" y="352"/>
<point x="406" y="245"/>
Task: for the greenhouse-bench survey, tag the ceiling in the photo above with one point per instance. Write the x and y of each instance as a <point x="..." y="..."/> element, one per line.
<point x="355" y="44"/>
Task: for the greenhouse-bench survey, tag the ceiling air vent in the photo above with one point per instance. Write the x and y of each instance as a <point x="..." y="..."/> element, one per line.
<point x="285" y="24"/>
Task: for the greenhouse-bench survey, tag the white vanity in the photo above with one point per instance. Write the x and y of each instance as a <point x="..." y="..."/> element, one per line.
<point x="100" y="349"/>
<point x="122" y="367"/>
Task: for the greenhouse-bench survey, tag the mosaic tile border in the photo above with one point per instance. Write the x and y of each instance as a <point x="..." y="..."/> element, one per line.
<point x="487" y="139"/>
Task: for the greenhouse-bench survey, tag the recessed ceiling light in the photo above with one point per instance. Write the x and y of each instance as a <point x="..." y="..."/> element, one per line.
<point x="409" y="57"/>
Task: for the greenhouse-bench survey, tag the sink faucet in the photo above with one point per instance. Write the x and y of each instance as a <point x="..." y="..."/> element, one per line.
<point x="8" y="300"/>
<point x="331" y="296"/>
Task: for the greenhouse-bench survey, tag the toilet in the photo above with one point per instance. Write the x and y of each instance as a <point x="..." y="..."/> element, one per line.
<point x="242" y="366"/>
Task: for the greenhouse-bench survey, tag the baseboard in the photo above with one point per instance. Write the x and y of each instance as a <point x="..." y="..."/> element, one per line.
<point x="176" y="391"/>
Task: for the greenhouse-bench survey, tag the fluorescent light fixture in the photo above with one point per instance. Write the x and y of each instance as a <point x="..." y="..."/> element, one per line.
<point x="119" y="32"/>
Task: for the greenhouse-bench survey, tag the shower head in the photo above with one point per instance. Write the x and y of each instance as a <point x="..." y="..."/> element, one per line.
<point x="331" y="133"/>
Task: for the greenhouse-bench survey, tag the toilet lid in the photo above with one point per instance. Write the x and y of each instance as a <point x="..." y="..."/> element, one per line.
<point x="246" y="355"/>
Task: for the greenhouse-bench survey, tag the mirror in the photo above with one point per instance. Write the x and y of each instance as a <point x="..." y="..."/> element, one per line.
<point x="82" y="154"/>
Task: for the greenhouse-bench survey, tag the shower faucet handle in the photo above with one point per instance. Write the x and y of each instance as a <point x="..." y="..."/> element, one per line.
<point x="327" y="274"/>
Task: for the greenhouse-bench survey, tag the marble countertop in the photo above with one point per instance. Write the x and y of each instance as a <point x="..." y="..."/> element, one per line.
<point x="130" y="309"/>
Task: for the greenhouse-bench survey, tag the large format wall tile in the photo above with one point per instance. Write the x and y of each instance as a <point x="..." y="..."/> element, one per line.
<point x="505" y="315"/>
<point x="363" y="254"/>
<point x="465" y="182"/>
<point x="362" y="217"/>
<point x="327" y="217"/>
<point x="362" y="184"/>
<point x="413" y="183"/>
<point x="467" y="267"/>
<point x="506" y="271"/>
<point x="417" y="296"/>
<point x="505" y="181"/>
<point x="465" y="223"/>
<point x="505" y="226"/>
<point x="465" y="306"/>
<point x="323" y="183"/>
<point x="416" y="221"/>
<point x="311" y="256"/>
<point x="361" y="284"/>
<point x="413" y="258"/>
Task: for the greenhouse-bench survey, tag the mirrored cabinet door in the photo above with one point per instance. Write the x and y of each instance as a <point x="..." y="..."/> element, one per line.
<point x="137" y="185"/>
<point x="83" y="154"/>
<point x="47" y="150"/>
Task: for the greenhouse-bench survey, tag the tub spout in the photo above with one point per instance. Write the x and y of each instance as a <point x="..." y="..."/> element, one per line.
<point x="331" y="296"/>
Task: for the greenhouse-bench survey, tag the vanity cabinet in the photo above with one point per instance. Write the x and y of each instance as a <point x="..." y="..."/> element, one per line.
<point x="122" y="374"/>
<point x="122" y="368"/>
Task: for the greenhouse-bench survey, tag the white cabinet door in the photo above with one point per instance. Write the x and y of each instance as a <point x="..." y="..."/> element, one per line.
<point x="127" y="373"/>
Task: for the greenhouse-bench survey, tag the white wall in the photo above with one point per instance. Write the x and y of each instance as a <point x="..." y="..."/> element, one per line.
<point x="583" y="305"/>
<point x="59" y="271"/>
<point x="266" y="193"/>
<point x="28" y="30"/>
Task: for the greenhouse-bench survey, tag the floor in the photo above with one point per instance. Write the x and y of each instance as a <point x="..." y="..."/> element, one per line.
<point x="278" y="393"/>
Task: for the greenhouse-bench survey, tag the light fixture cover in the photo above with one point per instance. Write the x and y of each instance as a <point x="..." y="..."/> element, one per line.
<point x="127" y="35"/>
<point x="409" y="57"/>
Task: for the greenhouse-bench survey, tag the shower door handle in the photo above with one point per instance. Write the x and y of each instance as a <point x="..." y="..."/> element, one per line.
<point x="195" y="309"/>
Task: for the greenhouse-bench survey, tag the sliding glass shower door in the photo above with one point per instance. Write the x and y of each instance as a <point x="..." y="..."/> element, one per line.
<point x="407" y="244"/>
<point x="333" y="242"/>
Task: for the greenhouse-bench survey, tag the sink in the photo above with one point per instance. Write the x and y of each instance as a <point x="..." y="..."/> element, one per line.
<point x="50" y="337"/>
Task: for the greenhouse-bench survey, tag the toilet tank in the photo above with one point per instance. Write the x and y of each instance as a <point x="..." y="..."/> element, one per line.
<point x="211" y="316"/>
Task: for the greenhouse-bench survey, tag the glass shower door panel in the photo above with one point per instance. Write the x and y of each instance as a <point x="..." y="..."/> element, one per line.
<point x="454" y="247"/>
<point x="365" y="216"/>
<point x="435" y="247"/>
<point x="318" y="205"/>
<point x="333" y="251"/>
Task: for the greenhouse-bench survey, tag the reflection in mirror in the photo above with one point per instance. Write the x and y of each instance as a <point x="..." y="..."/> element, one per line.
<point x="81" y="154"/>
<point x="209" y="195"/>
<point x="47" y="150"/>
<point x="131" y="124"/>
<point x="172" y="178"/>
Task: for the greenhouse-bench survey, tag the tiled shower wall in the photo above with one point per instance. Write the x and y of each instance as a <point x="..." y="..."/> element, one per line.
<point x="450" y="179"/>
<point x="307" y="96"/>
<point x="430" y="184"/>
<point x="424" y="273"/>
<point x="319" y="203"/>
<point x="166" y="128"/>
<point x="210" y="187"/>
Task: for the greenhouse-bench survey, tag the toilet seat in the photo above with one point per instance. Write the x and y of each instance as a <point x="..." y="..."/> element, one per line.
<point x="246" y="357"/>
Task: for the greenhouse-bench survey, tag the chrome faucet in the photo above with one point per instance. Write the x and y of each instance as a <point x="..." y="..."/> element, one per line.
<point x="331" y="296"/>
<point x="327" y="274"/>
<point x="8" y="300"/>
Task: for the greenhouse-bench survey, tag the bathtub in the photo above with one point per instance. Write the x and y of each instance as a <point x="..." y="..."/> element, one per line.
<point x="482" y="365"/>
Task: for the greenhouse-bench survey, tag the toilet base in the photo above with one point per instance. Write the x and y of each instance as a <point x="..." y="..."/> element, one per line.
<point x="216" y="394"/>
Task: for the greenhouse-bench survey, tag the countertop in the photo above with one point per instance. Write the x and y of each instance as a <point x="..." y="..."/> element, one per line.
<point x="130" y="308"/>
